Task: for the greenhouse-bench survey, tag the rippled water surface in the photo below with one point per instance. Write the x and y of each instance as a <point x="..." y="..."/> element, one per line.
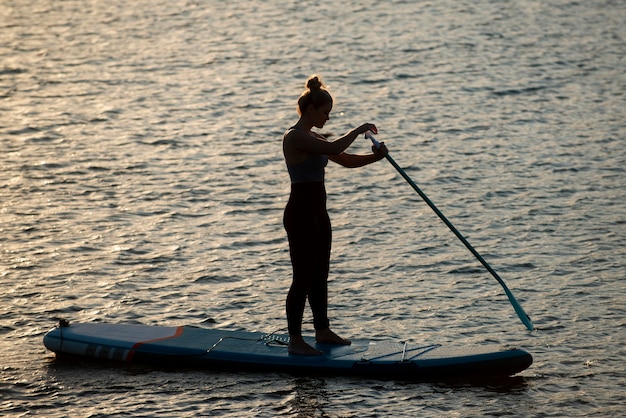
<point x="142" y="181"/>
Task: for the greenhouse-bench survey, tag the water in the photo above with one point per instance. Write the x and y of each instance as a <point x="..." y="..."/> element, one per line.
<point x="142" y="182"/>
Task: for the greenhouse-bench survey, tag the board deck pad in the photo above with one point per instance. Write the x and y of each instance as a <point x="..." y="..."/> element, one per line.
<point x="256" y="351"/>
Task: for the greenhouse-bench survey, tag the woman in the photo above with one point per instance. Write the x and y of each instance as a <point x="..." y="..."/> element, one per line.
<point x="306" y="219"/>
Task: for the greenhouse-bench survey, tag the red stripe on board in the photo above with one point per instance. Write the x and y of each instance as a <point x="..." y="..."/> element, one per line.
<point x="178" y="333"/>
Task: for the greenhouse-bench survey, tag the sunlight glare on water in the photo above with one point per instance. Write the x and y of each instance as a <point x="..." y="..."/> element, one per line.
<point x="142" y="181"/>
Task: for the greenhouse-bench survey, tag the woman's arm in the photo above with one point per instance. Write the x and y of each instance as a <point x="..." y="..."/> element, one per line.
<point x="297" y="143"/>
<point x="354" y="160"/>
<point x="342" y="143"/>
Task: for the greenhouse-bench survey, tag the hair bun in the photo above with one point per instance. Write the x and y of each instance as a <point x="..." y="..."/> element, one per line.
<point x="314" y="83"/>
<point x="315" y="94"/>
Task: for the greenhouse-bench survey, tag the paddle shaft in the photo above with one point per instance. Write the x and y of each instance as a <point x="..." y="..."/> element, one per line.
<point x="518" y="308"/>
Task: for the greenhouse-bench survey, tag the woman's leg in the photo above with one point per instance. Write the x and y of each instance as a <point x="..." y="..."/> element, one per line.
<point x="318" y="293"/>
<point x="302" y="254"/>
<point x="303" y="249"/>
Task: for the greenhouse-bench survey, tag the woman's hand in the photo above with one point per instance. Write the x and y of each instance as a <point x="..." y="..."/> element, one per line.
<point x="366" y="127"/>
<point x="381" y="151"/>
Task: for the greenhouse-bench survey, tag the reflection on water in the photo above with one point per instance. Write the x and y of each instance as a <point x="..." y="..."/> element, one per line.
<point x="142" y="181"/>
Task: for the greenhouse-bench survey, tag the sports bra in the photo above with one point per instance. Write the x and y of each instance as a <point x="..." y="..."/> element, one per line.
<point x="309" y="170"/>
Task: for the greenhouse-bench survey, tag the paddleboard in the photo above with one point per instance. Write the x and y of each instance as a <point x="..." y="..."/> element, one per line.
<point x="188" y="346"/>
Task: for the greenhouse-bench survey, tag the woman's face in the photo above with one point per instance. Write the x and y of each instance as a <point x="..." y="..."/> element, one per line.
<point x="321" y="114"/>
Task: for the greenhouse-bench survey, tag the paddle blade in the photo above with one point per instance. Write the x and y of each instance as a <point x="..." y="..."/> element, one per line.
<point x="523" y="316"/>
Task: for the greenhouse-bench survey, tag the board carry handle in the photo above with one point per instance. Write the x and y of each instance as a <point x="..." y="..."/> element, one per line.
<point x="518" y="308"/>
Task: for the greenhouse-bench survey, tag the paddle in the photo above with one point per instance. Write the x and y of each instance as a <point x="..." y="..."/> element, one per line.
<point x="518" y="308"/>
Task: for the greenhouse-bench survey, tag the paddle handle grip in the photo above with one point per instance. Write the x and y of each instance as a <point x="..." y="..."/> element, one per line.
<point x="370" y="136"/>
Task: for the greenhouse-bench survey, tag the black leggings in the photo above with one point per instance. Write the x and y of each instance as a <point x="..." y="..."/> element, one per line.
<point x="309" y="232"/>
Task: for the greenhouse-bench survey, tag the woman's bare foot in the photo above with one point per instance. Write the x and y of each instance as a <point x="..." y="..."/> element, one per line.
<point x="326" y="336"/>
<point x="297" y="346"/>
